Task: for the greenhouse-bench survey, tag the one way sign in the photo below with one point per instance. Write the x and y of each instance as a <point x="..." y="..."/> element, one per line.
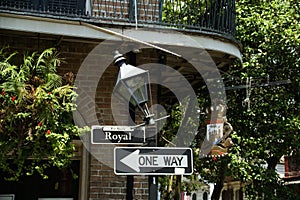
<point x="153" y="161"/>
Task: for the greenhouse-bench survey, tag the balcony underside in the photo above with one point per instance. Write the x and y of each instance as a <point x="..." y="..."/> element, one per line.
<point x="218" y="46"/>
<point x="182" y="47"/>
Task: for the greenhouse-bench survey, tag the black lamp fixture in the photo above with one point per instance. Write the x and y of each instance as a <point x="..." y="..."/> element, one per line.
<point x="133" y="84"/>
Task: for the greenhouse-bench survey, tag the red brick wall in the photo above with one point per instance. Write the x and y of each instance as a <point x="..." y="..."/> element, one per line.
<point x="148" y="10"/>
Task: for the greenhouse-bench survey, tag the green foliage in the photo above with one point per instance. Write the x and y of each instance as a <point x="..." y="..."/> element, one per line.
<point x="268" y="128"/>
<point x="179" y="129"/>
<point x="168" y="135"/>
<point x="187" y="12"/>
<point x="35" y="114"/>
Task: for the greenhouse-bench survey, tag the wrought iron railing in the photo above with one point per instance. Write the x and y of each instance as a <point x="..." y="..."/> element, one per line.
<point x="54" y="7"/>
<point x="195" y="15"/>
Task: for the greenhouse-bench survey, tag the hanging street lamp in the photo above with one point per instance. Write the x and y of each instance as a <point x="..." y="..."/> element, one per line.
<point x="133" y="84"/>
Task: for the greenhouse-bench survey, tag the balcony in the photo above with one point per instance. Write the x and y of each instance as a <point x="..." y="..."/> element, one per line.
<point x="202" y="16"/>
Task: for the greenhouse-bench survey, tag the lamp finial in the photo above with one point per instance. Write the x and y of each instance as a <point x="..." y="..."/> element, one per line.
<point x="119" y="58"/>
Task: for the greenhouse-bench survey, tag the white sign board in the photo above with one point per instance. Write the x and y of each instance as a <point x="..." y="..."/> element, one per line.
<point x="153" y="160"/>
<point x="214" y="133"/>
<point x="117" y="135"/>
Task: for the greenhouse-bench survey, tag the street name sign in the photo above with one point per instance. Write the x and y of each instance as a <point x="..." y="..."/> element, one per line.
<point x="153" y="161"/>
<point x="117" y="135"/>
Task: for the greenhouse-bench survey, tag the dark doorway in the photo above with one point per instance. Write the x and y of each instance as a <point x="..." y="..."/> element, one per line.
<point x="61" y="183"/>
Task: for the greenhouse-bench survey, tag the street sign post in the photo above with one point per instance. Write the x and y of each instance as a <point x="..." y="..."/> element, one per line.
<point x="117" y="135"/>
<point x="153" y="161"/>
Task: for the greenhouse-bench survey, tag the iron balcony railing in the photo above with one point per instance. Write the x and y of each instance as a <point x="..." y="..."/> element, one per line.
<point x="194" y="15"/>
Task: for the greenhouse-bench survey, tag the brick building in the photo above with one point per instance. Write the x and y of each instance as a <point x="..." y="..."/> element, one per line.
<point x="87" y="33"/>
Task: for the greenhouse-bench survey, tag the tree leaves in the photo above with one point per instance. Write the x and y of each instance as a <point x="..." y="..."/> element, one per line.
<point x="269" y="128"/>
<point x="36" y="115"/>
<point x="269" y="33"/>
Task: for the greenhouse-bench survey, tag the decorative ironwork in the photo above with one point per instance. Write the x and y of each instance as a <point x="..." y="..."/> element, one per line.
<point x="54" y="7"/>
<point x="198" y="15"/>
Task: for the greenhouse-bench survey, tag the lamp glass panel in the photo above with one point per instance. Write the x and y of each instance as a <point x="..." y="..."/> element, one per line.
<point x="123" y="91"/>
<point x="137" y="86"/>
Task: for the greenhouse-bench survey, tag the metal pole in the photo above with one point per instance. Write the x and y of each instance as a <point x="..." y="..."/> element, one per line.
<point x="130" y="178"/>
<point x="129" y="187"/>
<point x="152" y="180"/>
<point x="132" y="108"/>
